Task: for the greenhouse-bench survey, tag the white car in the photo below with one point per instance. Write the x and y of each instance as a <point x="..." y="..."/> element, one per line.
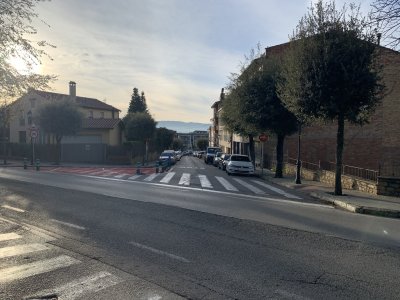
<point x="239" y="164"/>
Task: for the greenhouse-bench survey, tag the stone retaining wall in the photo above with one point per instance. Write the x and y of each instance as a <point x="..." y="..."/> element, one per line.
<point x="348" y="182"/>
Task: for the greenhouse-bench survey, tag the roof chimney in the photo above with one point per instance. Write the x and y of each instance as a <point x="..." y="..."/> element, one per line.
<point x="72" y="89"/>
<point x="379" y="36"/>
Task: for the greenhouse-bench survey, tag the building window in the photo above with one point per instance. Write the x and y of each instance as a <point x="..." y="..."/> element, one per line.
<point x="90" y="114"/>
<point x="33" y="102"/>
<point x="21" y="118"/>
<point x="22" y="137"/>
<point x="29" y="114"/>
<point x="102" y="115"/>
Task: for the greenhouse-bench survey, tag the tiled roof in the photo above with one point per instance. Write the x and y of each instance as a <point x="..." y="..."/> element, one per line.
<point x="81" y="101"/>
<point x="99" y="123"/>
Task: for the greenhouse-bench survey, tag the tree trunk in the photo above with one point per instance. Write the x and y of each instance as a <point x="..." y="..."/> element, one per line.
<point x="339" y="155"/>
<point x="251" y="149"/>
<point x="279" y="156"/>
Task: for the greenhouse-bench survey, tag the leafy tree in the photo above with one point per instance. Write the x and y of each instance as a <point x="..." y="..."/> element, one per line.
<point x="261" y="106"/>
<point x="177" y="144"/>
<point x="137" y="103"/>
<point x="163" y="138"/>
<point x="202" y="144"/>
<point x="334" y="74"/>
<point x="60" y="119"/>
<point x="386" y="13"/>
<point x="139" y="126"/>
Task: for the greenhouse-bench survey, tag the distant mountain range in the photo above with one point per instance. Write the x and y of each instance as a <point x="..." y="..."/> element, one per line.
<point x="183" y="127"/>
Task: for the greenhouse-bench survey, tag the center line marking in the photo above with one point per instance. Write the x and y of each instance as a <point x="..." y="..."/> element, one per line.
<point x="182" y="259"/>
<point x="13" y="208"/>
<point x="68" y="224"/>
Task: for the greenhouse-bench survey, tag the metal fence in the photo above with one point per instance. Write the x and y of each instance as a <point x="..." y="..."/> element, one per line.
<point x="346" y="169"/>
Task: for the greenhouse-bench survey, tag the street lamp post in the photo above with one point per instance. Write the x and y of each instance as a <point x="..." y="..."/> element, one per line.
<point x="298" y="162"/>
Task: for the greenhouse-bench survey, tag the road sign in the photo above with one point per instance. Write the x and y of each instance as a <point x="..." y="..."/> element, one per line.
<point x="34" y="134"/>
<point x="263" y="137"/>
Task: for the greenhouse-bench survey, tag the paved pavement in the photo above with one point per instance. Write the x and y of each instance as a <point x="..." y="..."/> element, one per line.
<point x="353" y="201"/>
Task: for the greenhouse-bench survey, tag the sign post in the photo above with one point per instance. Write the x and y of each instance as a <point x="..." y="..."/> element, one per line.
<point x="263" y="138"/>
<point x="34" y="132"/>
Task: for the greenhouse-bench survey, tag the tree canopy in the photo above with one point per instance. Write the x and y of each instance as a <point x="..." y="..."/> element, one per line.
<point x="60" y="119"/>
<point x="138" y="102"/>
<point x="139" y="126"/>
<point x="16" y="30"/>
<point x="202" y="144"/>
<point x="253" y="105"/>
<point x="163" y="138"/>
<point x="331" y="70"/>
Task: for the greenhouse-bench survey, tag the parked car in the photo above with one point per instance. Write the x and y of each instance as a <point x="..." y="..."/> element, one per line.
<point x="200" y="154"/>
<point x="210" y="153"/>
<point x="168" y="155"/>
<point x="239" y="164"/>
<point x="178" y="155"/>
<point x="223" y="161"/>
<point x="217" y="158"/>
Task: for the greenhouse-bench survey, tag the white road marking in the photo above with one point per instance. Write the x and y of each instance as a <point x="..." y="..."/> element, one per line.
<point x="121" y="175"/>
<point x="205" y="183"/>
<point x="234" y="195"/>
<point x="13" y="208"/>
<point x="9" y="236"/>
<point x="21" y="249"/>
<point x="182" y="259"/>
<point x="151" y="177"/>
<point x="38" y="267"/>
<point x="276" y="190"/>
<point x="68" y="224"/>
<point x="134" y="177"/>
<point x="84" y="285"/>
<point x="252" y="188"/>
<point x="226" y="184"/>
<point x="185" y="179"/>
<point x="167" y="178"/>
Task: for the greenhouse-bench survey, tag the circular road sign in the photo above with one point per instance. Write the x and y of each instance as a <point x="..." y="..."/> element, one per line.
<point x="34" y="134"/>
<point x="263" y="137"/>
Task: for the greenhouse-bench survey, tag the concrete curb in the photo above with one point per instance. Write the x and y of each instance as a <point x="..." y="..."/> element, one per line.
<point x="355" y="208"/>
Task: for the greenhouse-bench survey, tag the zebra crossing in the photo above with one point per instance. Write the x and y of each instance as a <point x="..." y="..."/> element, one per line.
<point x="15" y="248"/>
<point x="25" y="260"/>
<point x="254" y="186"/>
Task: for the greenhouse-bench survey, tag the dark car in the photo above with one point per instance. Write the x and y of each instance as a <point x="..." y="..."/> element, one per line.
<point x="223" y="160"/>
<point x="210" y="153"/>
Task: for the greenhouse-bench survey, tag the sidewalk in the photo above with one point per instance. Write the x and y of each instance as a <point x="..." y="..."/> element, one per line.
<point x="353" y="201"/>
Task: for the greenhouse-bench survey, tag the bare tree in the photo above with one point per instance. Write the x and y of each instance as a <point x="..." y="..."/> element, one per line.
<point x="386" y="13"/>
<point x="18" y="49"/>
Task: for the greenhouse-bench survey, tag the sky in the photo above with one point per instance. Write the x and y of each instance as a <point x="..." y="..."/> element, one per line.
<point x="179" y="52"/>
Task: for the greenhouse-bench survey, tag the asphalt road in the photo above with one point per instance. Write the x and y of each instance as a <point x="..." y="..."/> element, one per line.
<point x="200" y="243"/>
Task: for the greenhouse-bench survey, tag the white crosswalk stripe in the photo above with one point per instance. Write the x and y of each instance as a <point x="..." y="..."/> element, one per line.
<point x="35" y="268"/>
<point x="21" y="249"/>
<point x="9" y="236"/>
<point x="226" y="184"/>
<point x="134" y="177"/>
<point x="121" y="175"/>
<point x="205" y="183"/>
<point x="276" y="190"/>
<point x="84" y="285"/>
<point x="252" y="188"/>
<point x="167" y="178"/>
<point x="151" y="177"/>
<point x="185" y="179"/>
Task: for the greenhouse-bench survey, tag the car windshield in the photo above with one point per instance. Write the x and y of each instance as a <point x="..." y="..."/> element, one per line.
<point x="213" y="150"/>
<point x="226" y="157"/>
<point x="239" y="158"/>
<point x="166" y="154"/>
